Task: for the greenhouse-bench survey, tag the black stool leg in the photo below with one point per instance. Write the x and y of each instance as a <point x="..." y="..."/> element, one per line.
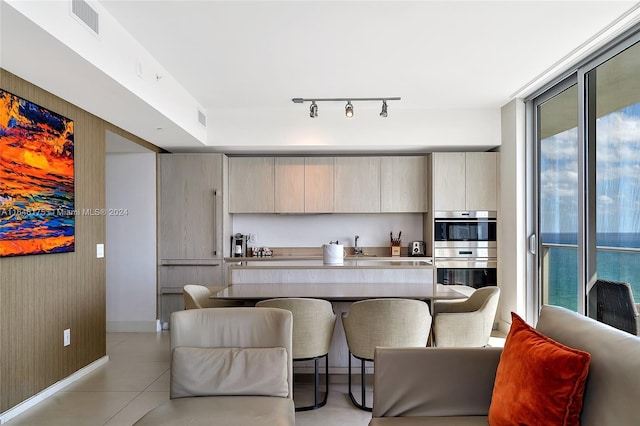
<point x="362" y="387"/>
<point x="316" y="384"/>
<point x="363" y="380"/>
<point x="316" y="380"/>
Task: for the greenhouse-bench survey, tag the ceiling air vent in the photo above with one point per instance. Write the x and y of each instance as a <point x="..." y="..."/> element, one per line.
<point x="86" y="14"/>
<point x="202" y="118"/>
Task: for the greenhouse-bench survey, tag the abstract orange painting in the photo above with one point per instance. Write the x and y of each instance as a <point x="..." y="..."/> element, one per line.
<point x="36" y="179"/>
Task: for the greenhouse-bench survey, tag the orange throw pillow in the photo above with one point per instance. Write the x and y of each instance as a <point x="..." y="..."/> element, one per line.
<point x="539" y="381"/>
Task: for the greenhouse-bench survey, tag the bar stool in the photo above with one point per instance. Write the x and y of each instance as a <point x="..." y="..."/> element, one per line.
<point x="383" y="322"/>
<point x="313" y="324"/>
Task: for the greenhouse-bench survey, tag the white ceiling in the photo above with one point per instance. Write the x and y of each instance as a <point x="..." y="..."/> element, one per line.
<point x="437" y="55"/>
<point x="434" y="54"/>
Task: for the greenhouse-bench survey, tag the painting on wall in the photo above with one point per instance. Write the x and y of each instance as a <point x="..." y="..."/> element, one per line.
<point x="36" y="179"/>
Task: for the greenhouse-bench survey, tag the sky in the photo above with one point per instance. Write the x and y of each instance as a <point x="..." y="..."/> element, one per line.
<point x="617" y="176"/>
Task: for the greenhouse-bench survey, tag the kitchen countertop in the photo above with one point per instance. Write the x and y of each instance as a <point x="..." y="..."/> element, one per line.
<point x="338" y="291"/>
<point x="317" y="263"/>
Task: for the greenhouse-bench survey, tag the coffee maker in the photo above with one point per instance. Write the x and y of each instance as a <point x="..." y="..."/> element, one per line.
<point x="239" y="245"/>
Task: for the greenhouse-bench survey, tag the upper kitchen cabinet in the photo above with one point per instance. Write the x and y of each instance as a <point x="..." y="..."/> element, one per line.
<point x="448" y="180"/>
<point x="251" y="185"/>
<point x="403" y="184"/>
<point x="289" y="185"/>
<point x="482" y="180"/>
<point x="464" y="181"/>
<point x="357" y="184"/>
<point x="190" y="206"/>
<point x="318" y="185"/>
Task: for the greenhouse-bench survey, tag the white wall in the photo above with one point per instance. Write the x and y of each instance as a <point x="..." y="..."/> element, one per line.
<point x="315" y="230"/>
<point x="512" y="233"/>
<point x="131" y="242"/>
<point x="405" y="130"/>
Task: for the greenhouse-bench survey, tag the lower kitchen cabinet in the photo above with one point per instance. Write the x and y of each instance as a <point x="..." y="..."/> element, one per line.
<point x="173" y="277"/>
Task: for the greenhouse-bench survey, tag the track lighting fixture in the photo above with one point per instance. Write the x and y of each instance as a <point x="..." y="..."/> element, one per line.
<point x="348" y="109"/>
<point x="383" y="113"/>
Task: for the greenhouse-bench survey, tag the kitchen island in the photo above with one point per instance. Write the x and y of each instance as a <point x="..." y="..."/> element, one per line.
<point x="355" y="279"/>
<point x="363" y="270"/>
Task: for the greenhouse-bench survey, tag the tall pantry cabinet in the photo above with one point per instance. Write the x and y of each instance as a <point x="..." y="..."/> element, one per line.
<point x="190" y="216"/>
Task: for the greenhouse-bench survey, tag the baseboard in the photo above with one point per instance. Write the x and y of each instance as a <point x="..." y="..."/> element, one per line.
<point x="46" y="393"/>
<point x="132" y="326"/>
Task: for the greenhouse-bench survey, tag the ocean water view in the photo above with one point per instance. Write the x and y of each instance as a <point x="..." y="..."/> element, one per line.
<point x="611" y="264"/>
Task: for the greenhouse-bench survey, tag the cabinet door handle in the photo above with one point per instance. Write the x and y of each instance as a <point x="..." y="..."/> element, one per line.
<point x="215" y="213"/>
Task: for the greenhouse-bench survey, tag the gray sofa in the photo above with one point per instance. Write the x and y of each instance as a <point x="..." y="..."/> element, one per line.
<point x="453" y="386"/>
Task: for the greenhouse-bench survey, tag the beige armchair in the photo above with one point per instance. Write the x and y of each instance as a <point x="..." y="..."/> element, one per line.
<point x="466" y="323"/>
<point x="383" y="322"/>
<point x="199" y="296"/>
<point x="230" y="367"/>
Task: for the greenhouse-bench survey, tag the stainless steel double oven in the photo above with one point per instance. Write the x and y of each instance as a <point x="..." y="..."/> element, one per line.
<point x="465" y="248"/>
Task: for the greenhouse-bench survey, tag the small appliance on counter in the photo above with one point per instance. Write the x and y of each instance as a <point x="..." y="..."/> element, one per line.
<point x="239" y="245"/>
<point x="417" y="249"/>
<point x="333" y="253"/>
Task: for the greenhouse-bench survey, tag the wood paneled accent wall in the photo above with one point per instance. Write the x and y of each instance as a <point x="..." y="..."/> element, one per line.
<point x="42" y="295"/>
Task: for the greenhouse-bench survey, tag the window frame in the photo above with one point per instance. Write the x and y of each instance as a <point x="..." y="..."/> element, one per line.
<point x="584" y="77"/>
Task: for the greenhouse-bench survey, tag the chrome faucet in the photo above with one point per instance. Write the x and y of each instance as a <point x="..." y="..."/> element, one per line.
<point x="357" y="250"/>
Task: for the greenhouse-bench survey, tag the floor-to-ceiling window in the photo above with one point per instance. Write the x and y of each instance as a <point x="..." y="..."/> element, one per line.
<point x="617" y="168"/>
<point x="558" y="198"/>
<point x="587" y="176"/>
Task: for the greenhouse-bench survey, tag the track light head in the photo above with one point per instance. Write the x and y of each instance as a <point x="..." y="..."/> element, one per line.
<point x="348" y="110"/>
<point x="383" y="113"/>
<point x="313" y="110"/>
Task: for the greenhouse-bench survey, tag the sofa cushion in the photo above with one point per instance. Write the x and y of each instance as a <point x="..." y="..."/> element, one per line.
<point x="539" y="381"/>
<point x="430" y="421"/>
<point x="612" y="391"/>
<point x="222" y="410"/>
<point x="229" y="371"/>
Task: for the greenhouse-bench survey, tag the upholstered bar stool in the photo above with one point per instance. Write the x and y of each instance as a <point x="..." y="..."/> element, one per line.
<point x="313" y="324"/>
<point x="466" y="323"/>
<point x="383" y="322"/>
<point x="198" y="297"/>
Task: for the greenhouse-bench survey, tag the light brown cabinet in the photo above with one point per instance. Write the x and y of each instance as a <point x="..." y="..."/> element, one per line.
<point x="357" y="184"/>
<point x="190" y="206"/>
<point x="464" y="181"/>
<point x="482" y="180"/>
<point x="403" y="184"/>
<point x="251" y="185"/>
<point x="189" y="225"/>
<point x="328" y="184"/>
<point x="289" y="186"/>
<point x="319" y="185"/>
<point x="281" y="184"/>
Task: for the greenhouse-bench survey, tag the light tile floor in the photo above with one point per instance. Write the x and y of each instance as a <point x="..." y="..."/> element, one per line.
<point x="136" y="379"/>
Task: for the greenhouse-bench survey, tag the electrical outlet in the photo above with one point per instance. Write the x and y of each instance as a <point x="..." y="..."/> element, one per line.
<point x="67" y="337"/>
<point x="253" y="238"/>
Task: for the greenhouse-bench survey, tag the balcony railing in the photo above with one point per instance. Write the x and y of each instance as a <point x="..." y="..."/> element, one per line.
<point x="560" y="271"/>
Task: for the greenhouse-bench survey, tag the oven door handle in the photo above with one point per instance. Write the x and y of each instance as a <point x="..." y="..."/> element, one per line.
<point x="466" y="263"/>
